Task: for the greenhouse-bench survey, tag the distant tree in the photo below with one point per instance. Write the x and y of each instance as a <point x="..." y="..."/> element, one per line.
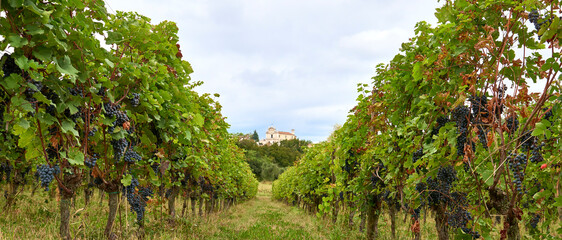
<point x="255" y="136"/>
<point x="247" y="144"/>
<point x="296" y="145"/>
<point x="268" y="161"/>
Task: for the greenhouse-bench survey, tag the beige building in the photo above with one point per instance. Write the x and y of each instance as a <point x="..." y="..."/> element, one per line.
<point x="274" y="136"/>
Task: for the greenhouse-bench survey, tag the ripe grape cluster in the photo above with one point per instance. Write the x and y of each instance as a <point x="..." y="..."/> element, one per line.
<point x="483" y="136"/>
<point x="119" y="147"/>
<point x="102" y="91"/>
<point x="135" y="200"/>
<point x="51" y="109"/>
<point x="440" y="186"/>
<point x="374" y="180"/>
<point x="391" y="202"/>
<point x="137" y="206"/>
<point x="111" y="109"/>
<point x="421" y="188"/>
<point x="10" y="66"/>
<point x="439" y="194"/>
<point x="512" y="123"/>
<point x="114" y="110"/>
<point x="534" y="18"/>
<point x="91" y="161"/>
<point x="416" y="213"/>
<point x="92" y="132"/>
<point x="34" y="87"/>
<point x="457" y="216"/>
<point x="7" y="168"/>
<point x="536" y="155"/>
<point x="479" y="106"/>
<point x="47" y="174"/>
<point x="517" y="164"/>
<point x="76" y="91"/>
<point x="441" y="121"/>
<point x="349" y="165"/>
<point x="461" y="115"/>
<point x="446" y="175"/>
<point x="527" y="140"/>
<point x="135" y="100"/>
<point x="535" y="220"/>
<point x="131" y="156"/>
<point x="417" y="155"/>
<point x="145" y="193"/>
<point x="548" y="115"/>
<point x="475" y="234"/>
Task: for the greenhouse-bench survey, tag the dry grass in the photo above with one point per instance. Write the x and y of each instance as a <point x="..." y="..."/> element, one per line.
<point x="37" y="217"/>
<point x="263" y="218"/>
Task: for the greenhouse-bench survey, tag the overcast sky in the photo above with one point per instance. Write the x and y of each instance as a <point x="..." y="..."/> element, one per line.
<point x="287" y="63"/>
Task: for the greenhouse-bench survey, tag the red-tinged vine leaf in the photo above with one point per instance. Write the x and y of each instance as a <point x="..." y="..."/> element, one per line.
<point x="172" y="70"/>
<point x="126" y="125"/>
<point x="518" y="213"/>
<point x="55" y="140"/>
<point x="96" y="173"/>
<point x="490" y="136"/>
<point x="178" y="55"/>
<point x="164" y="166"/>
<point x="517" y="63"/>
<point x="160" y="153"/>
<point x="415" y="227"/>
<point x="503" y="232"/>
<point x="468" y="153"/>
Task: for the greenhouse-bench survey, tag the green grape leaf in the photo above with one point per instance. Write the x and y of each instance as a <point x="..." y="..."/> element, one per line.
<point x="43" y="53"/>
<point x="198" y="120"/>
<point x="68" y="126"/>
<point x="75" y="157"/>
<point x="114" y="38"/>
<point x="126" y="180"/>
<point x="26" y="137"/>
<point x="16" y="3"/>
<point x="16" y="41"/>
<point x="65" y="66"/>
<point x="12" y="82"/>
<point x="24" y="124"/>
<point x="109" y="63"/>
<point x="558" y="201"/>
<point x="33" y="153"/>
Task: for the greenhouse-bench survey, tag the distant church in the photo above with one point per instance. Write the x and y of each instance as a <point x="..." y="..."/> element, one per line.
<point x="274" y="136"/>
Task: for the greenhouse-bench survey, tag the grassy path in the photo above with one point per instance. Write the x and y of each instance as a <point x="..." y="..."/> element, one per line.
<point x="36" y="217"/>
<point x="263" y="218"/>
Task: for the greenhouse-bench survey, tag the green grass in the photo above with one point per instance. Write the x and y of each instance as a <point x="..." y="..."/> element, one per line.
<point x="37" y="217"/>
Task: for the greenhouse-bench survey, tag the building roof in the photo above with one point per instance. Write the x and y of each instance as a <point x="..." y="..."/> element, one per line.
<point x="286" y="133"/>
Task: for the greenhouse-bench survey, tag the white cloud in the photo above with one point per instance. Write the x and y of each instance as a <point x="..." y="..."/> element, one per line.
<point x="291" y="63"/>
<point x="376" y="42"/>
